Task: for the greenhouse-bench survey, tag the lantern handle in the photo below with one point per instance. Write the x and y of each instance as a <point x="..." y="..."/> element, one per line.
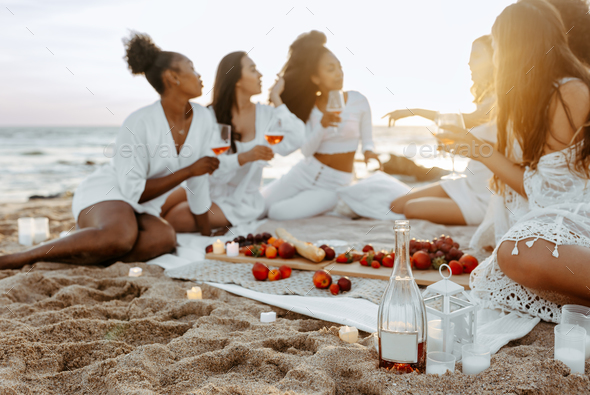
<point x="440" y="271"/>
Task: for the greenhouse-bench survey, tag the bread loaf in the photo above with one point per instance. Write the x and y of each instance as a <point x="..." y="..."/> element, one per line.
<point x="306" y="250"/>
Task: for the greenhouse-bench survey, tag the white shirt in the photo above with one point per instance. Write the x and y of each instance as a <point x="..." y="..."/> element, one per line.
<point x="153" y="155"/>
<point x="236" y="189"/>
<point x="356" y="125"/>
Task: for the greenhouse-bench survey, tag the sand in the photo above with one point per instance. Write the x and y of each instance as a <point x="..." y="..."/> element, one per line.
<point x="89" y="330"/>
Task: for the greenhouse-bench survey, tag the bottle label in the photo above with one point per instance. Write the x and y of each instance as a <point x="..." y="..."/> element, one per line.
<point x="399" y="347"/>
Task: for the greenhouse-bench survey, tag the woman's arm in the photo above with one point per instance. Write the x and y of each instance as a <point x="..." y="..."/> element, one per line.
<point x="158" y="186"/>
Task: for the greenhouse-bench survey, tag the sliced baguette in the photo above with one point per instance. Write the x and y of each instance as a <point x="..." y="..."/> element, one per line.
<point x="306" y="250"/>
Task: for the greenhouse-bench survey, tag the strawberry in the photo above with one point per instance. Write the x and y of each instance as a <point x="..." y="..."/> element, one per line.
<point x="375" y="264"/>
<point x="368" y="248"/>
<point x="344" y="258"/>
<point x="388" y="260"/>
<point x="367" y="259"/>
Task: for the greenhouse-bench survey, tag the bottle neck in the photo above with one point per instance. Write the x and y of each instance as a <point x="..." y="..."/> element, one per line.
<point x="402" y="267"/>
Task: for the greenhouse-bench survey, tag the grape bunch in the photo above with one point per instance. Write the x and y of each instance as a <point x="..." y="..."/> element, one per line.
<point x="441" y="250"/>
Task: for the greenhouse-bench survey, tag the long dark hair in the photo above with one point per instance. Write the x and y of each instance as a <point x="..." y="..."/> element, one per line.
<point x="145" y="57"/>
<point x="576" y="21"/>
<point x="533" y="55"/>
<point x="300" y="92"/>
<point x="229" y="73"/>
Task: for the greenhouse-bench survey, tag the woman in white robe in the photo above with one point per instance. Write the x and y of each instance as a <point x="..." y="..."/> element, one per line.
<point x="159" y="146"/>
<point x="235" y="186"/>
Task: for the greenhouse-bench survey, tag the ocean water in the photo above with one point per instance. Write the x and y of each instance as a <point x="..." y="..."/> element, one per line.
<point x="46" y="161"/>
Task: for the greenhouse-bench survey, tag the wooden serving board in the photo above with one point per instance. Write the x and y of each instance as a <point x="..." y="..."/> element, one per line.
<point x="422" y="277"/>
<point x="297" y="262"/>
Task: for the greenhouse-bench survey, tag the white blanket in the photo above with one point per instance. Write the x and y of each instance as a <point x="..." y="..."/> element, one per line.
<point x="494" y="328"/>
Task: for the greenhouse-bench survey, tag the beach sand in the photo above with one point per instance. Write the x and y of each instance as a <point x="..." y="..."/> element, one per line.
<point x="89" y="330"/>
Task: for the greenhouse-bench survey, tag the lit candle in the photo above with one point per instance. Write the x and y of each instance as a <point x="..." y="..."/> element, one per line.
<point x="233" y="249"/>
<point x="218" y="247"/>
<point x="194" y="293"/>
<point x="268" y="317"/>
<point x="574" y="359"/>
<point x="475" y="364"/>
<point x="135" y="272"/>
<point x="349" y="334"/>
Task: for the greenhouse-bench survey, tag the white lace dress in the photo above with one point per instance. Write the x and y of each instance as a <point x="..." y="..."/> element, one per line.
<point x="557" y="210"/>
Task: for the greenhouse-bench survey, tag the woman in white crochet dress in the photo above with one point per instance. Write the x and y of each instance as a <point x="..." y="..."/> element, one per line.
<point x="543" y="110"/>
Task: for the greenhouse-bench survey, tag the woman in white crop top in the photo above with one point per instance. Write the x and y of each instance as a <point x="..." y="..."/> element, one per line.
<point x="310" y="187"/>
<point x="235" y="186"/>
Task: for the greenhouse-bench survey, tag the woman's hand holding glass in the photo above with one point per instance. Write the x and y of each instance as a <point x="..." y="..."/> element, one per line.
<point x="466" y="144"/>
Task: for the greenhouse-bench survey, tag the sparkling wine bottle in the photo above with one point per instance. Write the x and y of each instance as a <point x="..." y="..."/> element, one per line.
<point x="402" y="320"/>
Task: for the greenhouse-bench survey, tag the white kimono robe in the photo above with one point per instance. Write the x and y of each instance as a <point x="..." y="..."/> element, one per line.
<point x="145" y="149"/>
<point x="236" y="189"/>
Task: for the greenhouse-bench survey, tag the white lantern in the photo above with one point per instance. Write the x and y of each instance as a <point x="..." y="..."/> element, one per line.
<point x="449" y="302"/>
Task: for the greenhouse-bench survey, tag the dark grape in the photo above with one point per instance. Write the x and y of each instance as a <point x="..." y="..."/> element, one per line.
<point x="439" y="253"/>
<point x="250" y="237"/>
<point x="241" y="239"/>
<point x="449" y="241"/>
<point x="258" y="238"/>
<point x="456" y="245"/>
<point x="247" y="243"/>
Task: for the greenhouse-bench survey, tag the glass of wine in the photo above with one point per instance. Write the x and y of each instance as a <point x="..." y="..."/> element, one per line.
<point x="455" y="119"/>
<point x="221" y="142"/>
<point x="273" y="135"/>
<point x="335" y="104"/>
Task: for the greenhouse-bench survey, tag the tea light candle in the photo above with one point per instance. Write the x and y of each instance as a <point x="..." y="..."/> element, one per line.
<point x="349" y="334"/>
<point x="218" y="247"/>
<point x="26" y="231"/>
<point x="41" y="227"/>
<point x="268" y="317"/>
<point x="135" y="272"/>
<point x="194" y="293"/>
<point x="475" y="364"/>
<point x="233" y="249"/>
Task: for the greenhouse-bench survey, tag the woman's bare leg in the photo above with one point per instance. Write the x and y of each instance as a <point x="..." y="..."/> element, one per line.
<point x="156" y="237"/>
<point x="432" y="190"/>
<point x="183" y="221"/>
<point x="430" y="203"/>
<point x="538" y="269"/>
<point x="177" y="196"/>
<point x="108" y="230"/>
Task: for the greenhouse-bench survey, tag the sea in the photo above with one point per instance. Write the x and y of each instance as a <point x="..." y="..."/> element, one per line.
<point x="50" y="161"/>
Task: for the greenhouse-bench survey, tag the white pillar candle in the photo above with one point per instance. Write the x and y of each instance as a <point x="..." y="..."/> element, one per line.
<point x="475" y="364"/>
<point x="135" y="271"/>
<point x="218" y="247"/>
<point x="26" y="231"/>
<point x="436" y="337"/>
<point x="41" y="226"/>
<point x="573" y="358"/>
<point x="233" y="249"/>
<point x="587" y="356"/>
<point x="194" y="293"/>
<point x="349" y="334"/>
<point x="268" y="317"/>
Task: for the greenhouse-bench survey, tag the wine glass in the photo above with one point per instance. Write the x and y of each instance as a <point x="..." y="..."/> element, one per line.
<point x="455" y="119"/>
<point x="273" y="135"/>
<point x="222" y="142"/>
<point x="335" y="104"/>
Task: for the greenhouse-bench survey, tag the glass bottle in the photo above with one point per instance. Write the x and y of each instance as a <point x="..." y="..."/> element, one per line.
<point x="402" y="322"/>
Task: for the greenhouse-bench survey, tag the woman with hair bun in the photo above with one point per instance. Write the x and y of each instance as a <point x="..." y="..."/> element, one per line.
<point x="309" y="189"/>
<point x="117" y="208"/>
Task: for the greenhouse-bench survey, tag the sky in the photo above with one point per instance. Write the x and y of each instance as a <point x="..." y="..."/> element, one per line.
<point x="62" y="61"/>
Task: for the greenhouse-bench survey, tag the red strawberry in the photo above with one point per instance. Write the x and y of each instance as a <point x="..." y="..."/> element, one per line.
<point x="375" y="264"/>
<point x="388" y="260"/>
<point x="344" y="258"/>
